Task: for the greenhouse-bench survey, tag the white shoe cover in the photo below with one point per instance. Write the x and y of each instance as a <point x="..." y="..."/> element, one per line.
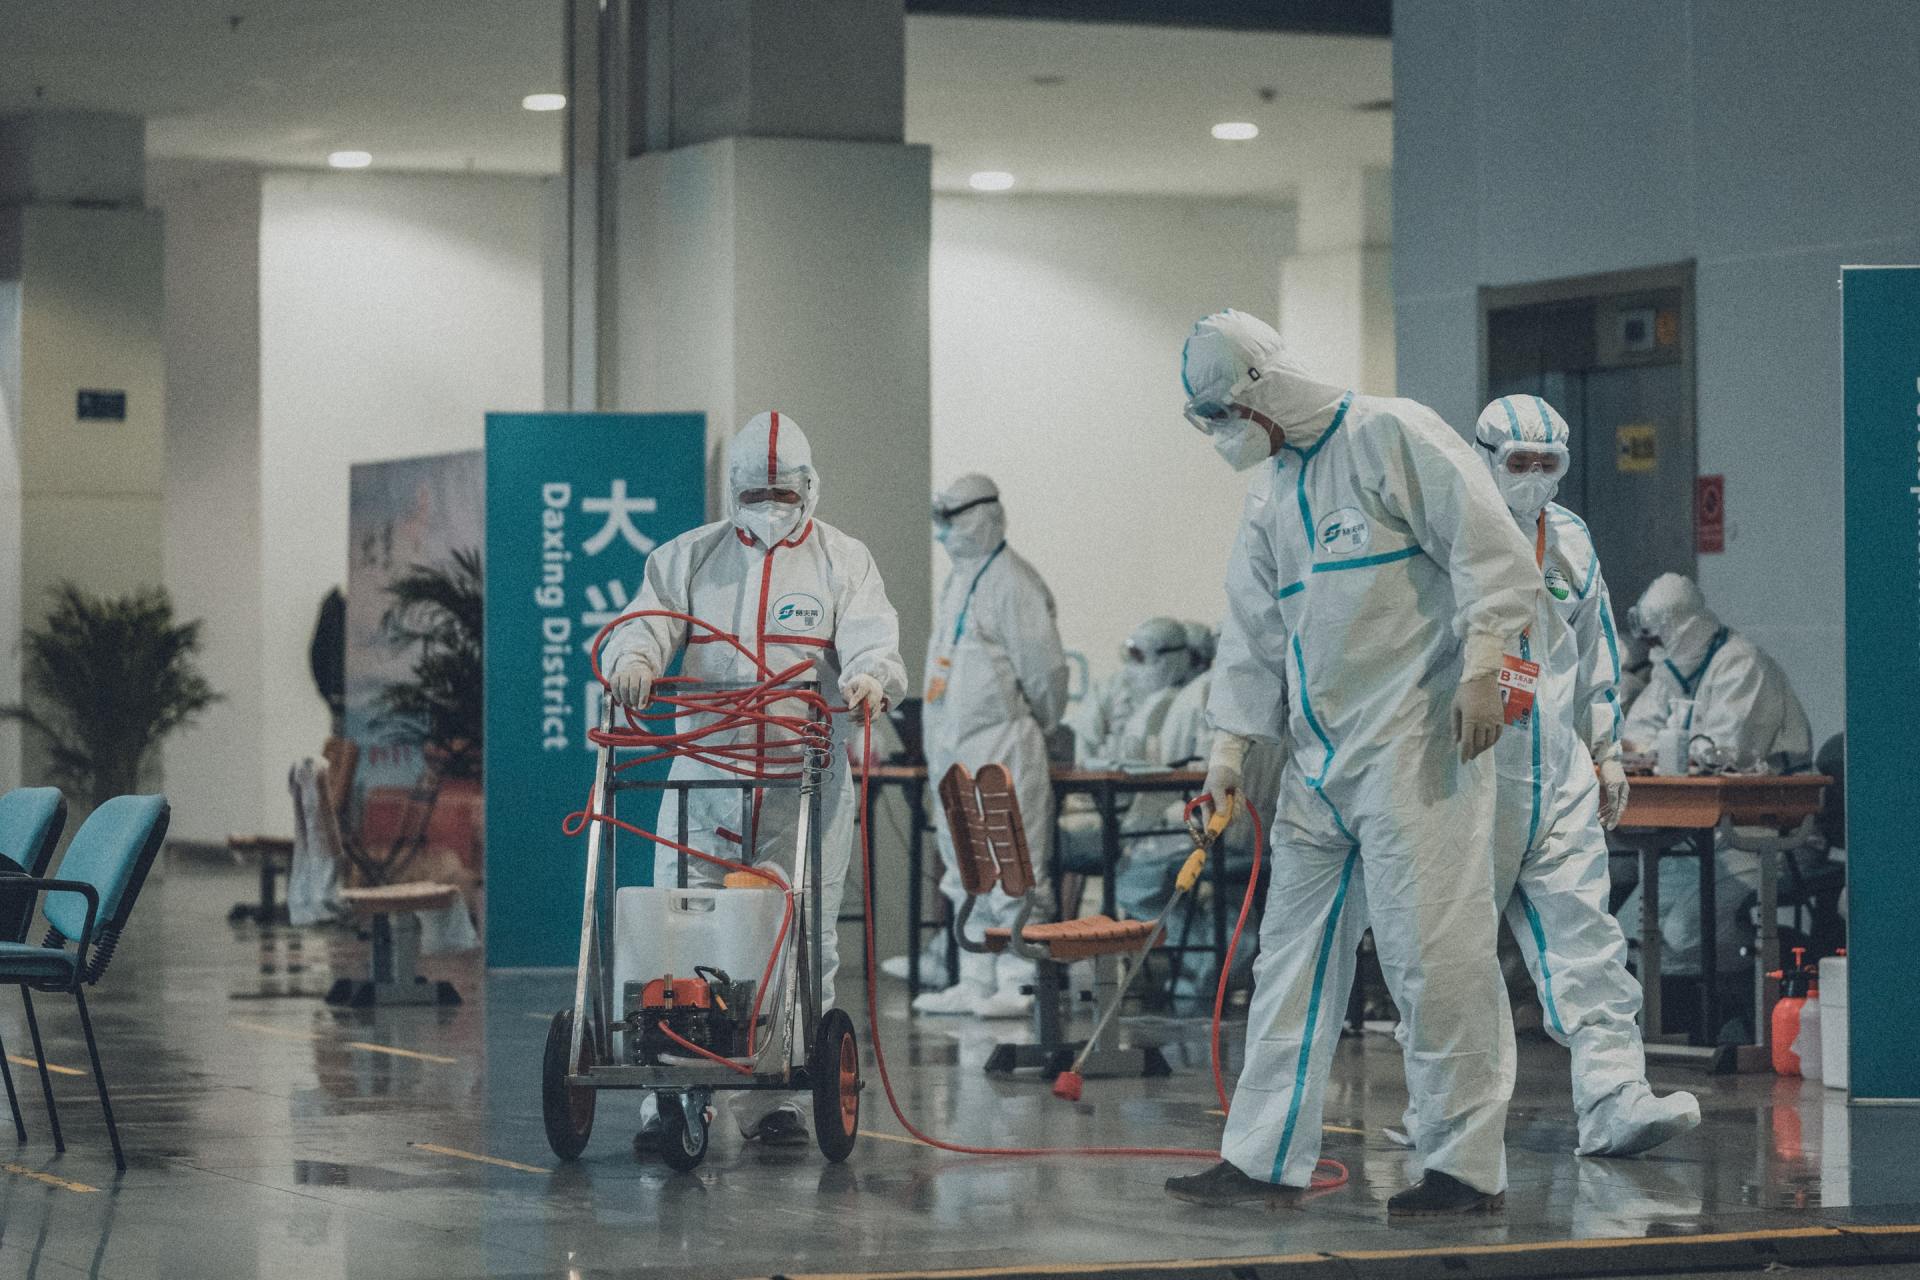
<point x="1007" y="1002"/>
<point x="1632" y="1120"/>
<point x="933" y="969"/>
<point x="962" y="998"/>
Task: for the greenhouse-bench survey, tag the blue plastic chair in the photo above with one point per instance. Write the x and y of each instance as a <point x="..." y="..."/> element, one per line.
<point x="86" y="909"/>
<point x="31" y="820"/>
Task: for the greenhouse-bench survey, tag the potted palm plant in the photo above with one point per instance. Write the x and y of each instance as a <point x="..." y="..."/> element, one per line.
<point x="108" y="678"/>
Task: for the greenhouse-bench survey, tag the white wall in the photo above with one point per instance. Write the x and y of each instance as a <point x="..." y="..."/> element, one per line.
<point x="395" y="311"/>
<point x="1057" y="328"/>
<point x="212" y="511"/>
<point x="1768" y="140"/>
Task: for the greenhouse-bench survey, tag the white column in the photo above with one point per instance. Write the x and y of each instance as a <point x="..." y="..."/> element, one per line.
<point x="1336" y="290"/>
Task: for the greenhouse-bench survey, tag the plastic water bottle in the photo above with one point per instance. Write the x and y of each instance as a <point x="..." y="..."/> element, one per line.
<point x="1670" y="746"/>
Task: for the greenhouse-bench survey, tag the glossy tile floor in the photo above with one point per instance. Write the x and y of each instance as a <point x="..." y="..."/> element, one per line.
<point x="271" y="1135"/>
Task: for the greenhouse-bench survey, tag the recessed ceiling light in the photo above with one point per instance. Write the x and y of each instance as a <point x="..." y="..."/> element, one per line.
<point x="991" y="180"/>
<point x="1236" y="130"/>
<point x="350" y="159"/>
<point x="544" y="102"/>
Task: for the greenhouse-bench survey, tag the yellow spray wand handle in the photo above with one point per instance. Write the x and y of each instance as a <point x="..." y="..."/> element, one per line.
<point x="1197" y="860"/>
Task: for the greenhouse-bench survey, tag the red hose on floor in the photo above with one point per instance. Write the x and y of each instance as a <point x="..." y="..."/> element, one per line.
<point x="780" y="759"/>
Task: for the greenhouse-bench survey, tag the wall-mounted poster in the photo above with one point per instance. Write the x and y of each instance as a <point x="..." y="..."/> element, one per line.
<point x="414" y="683"/>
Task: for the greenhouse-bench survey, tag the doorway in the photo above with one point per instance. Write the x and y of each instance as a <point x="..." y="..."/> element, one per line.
<point x="1614" y="354"/>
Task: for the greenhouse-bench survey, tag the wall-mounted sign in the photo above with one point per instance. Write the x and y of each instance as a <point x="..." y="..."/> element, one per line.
<point x="100" y="406"/>
<point x="1710" y="515"/>
<point x="1637" y="447"/>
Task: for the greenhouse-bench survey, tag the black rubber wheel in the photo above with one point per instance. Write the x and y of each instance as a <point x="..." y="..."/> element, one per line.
<point x="567" y="1109"/>
<point x="834" y="1069"/>
<point x="684" y="1144"/>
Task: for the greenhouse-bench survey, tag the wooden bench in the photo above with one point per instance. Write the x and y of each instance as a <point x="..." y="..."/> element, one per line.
<point x="393" y="976"/>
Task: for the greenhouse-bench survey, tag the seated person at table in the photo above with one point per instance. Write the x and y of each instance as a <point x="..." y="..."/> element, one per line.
<point x="1144" y="883"/>
<point x="1740" y="714"/>
<point x="1120" y="724"/>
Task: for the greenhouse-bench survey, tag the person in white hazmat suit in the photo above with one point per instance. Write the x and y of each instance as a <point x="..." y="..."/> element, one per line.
<point x="1552" y="801"/>
<point x="1375" y="586"/>
<point x="1119" y="723"/>
<point x="1735" y="709"/>
<point x="996" y="684"/>
<point x="790" y="588"/>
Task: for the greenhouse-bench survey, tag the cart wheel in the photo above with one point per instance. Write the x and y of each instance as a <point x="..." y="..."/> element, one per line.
<point x="684" y="1145"/>
<point x="568" y="1109"/>
<point x="834" y="1068"/>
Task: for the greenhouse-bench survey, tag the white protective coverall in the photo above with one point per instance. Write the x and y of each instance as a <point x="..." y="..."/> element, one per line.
<point x="1375" y="571"/>
<point x="815" y="594"/>
<point x="996" y="684"/>
<point x="1744" y="715"/>
<point x="1549" y="850"/>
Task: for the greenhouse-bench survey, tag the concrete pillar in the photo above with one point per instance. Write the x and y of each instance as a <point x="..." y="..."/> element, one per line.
<point x="1336" y="289"/>
<point x="81" y="474"/>
<point x="769" y="236"/>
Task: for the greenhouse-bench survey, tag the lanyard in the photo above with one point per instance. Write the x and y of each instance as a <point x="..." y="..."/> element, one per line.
<point x="1540" y="542"/>
<point x="960" y="623"/>
<point x="1687" y="683"/>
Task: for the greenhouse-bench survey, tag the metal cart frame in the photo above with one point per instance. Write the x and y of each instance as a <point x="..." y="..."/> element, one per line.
<point x="584" y="1041"/>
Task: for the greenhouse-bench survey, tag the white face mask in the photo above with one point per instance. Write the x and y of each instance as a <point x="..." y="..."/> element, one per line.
<point x="1526" y="494"/>
<point x="1242" y="442"/>
<point x="771" y="522"/>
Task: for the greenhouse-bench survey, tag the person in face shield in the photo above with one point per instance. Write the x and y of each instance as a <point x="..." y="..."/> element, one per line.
<point x="1120" y="722"/>
<point x="1735" y="709"/>
<point x="1374" y="590"/>
<point x="1553" y="804"/>
<point x="789" y="588"/>
<point x="996" y="683"/>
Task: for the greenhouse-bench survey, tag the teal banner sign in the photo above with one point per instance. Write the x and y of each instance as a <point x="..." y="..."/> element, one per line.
<point x="1881" y="339"/>
<point x="575" y="502"/>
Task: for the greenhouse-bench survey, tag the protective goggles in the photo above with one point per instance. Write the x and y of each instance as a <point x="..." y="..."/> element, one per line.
<point x="1638" y="624"/>
<point x="944" y="516"/>
<point x="1208" y="416"/>
<point x="1521" y="457"/>
<point x="1134" y="653"/>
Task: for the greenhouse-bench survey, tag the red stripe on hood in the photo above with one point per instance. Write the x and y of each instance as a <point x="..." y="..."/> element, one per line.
<point x="773" y="449"/>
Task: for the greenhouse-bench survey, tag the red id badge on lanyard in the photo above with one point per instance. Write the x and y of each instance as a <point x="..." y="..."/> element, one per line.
<point x="1519" y="681"/>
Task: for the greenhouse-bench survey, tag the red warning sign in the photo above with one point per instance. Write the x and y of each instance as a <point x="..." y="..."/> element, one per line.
<point x="1710" y="514"/>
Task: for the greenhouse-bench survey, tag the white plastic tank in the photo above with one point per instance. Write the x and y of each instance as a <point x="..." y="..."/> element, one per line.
<point x="657" y="932"/>
<point x="1833" y="1022"/>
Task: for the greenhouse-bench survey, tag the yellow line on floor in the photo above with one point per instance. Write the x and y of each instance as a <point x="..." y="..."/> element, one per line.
<point x="476" y="1157"/>
<point x="1364" y="1255"/>
<point x="19" y="1061"/>
<point x="21" y="1171"/>
<point x="370" y="1047"/>
<point x="889" y="1137"/>
<point x="1329" y="1128"/>
<point x="367" y="1046"/>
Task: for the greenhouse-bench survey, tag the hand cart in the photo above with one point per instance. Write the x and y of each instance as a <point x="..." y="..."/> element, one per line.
<point x="591" y="1047"/>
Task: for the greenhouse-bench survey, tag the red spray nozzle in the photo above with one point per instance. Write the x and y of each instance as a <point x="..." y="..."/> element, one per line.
<point x="1067" y="1086"/>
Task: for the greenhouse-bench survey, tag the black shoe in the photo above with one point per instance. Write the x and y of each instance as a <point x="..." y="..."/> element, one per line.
<point x="1440" y="1194"/>
<point x="651" y="1140"/>
<point x="782" y="1128"/>
<point x="1225" y="1185"/>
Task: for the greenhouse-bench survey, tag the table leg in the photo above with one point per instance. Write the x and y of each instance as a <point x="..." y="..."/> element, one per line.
<point x="1056" y="865"/>
<point x="1651" y="943"/>
<point x="1109" y="847"/>
<point x="1703" y="845"/>
<point x="1767" y="949"/>
<point x="916" y="881"/>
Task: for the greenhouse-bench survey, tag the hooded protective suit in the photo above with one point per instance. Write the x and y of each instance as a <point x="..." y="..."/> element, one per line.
<point x="1376" y="571"/>
<point x="996" y="683"/>
<point x="814" y="593"/>
<point x="1738" y="711"/>
<point x="1549" y="851"/>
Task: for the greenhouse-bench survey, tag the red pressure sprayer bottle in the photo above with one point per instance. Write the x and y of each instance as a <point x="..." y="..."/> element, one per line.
<point x="1787" y="1013"/>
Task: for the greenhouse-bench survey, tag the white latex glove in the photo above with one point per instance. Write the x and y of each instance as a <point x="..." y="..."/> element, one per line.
<point x="631" y="680"/>
<point x="1224" y="773"/>
<point x="863" y="691"/>
<point x="1478" y="716"/>
<point x="1613" y="792"/>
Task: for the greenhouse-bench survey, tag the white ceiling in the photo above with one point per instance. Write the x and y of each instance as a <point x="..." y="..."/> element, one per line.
<point x="436" y="85"/>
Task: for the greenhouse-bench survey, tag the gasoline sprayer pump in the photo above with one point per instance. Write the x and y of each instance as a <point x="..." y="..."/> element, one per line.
<point x="709" y="1010"/>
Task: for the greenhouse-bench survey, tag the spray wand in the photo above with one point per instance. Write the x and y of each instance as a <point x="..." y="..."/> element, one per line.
<point x="1069" y="1083"/>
